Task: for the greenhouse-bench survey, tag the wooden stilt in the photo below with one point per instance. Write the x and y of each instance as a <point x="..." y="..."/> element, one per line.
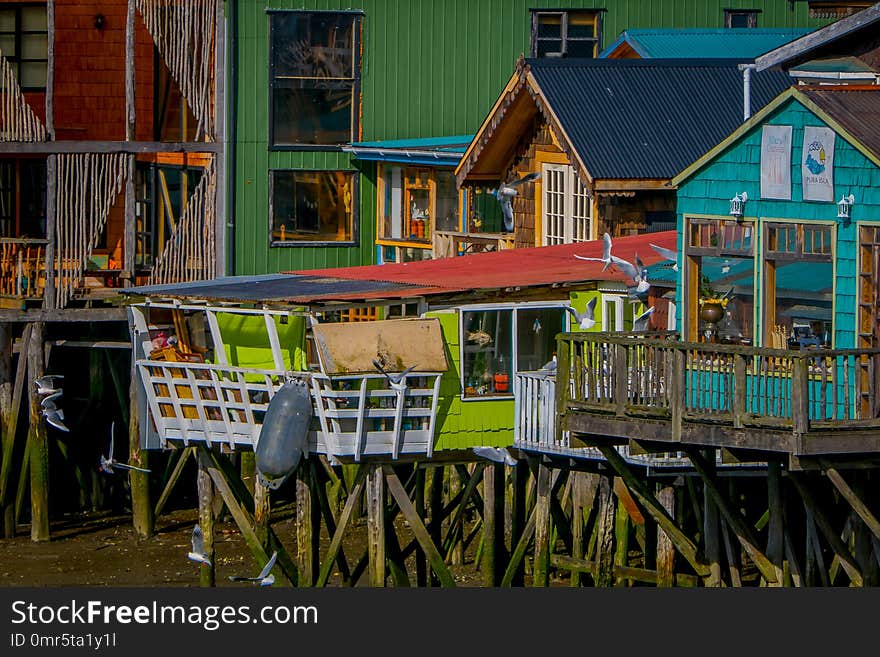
<point x="307" y="526"/>
<point x="352" y="502"/>
<point x="327" y="512"/>
<point x="182" y="457"/>
<point x="376" y="524"/>
<point x="518" y="553"/>
<point x="143" y="518"/>
<point x="621" y="541"/>
<point x="711" y="537"/>
<point x="435" y="504"/>
<point x="456" y="555"/>
<point x="421" y="559"/>
<point x="206" y="520"/>
<point x="578" y="494"/>
<point x="541" y="566"/>
<point x="665" y="549"/>
<point x="775" y="533"/>
<point x="263" y="511"/>
<point x="816" y="546"/>
<point x="38" y="443"/>
<point x="453" y="533"/>
<point x="247" y="464"/>
<point x="8" y="420"/>
<point x="604" y="555"/>
<point x="732" y="557"/>
<point x="518" y="512"/>
<point x="493" y="524"/>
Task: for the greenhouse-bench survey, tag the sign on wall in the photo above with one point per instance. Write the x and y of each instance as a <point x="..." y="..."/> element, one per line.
<point x="776" y="161"/>
<point x="817" y="164"/>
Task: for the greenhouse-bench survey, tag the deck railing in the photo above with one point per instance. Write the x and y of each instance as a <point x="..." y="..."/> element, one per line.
<point x="22" y="267"/>
<point x="727" y="384"/>
<point x="447" y="244"/>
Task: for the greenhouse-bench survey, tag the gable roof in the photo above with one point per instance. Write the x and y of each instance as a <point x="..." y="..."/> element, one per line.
<point x="648" y="118"/>
<point x="850" y="110"/>
<point x="846" y="33"/>
<point x="670" y="43"/>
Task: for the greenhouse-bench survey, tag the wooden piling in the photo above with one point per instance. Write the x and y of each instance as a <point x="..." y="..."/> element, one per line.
<point x="775" y="533"/>
<point x="435" y="505"/>
<point x="621" y="541"/>
<point x="421" y="558"/>
<point x="143" y="518"/>
<point x="376" y="524"/>
<point x="206" y="519"/>
<point x="308" y="518"/>
<point x="541" y="566"/>
<point x="38" y="442"/>
<point x="665" y="549"/>
<point x="578" y="494"/>
<point x="518" y="512"/>
<point x="493" y="524"/>
<point x="604" y="553"/>
<point x="7" y="441"/>
<point x="711" y="529"/>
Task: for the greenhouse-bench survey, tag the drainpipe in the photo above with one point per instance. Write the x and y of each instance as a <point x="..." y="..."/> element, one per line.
<point x="747" y="89"/>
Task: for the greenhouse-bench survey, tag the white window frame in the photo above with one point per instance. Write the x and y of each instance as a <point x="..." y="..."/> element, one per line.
<point x="616" y="301"/>
<point x="575" y="213"/>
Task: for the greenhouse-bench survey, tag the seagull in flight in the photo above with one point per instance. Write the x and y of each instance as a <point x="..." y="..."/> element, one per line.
<point x="55" y="417"/>
<point x="668" y="254"/>
<point x="496" y="454"/>
<point x="396" y="380"/>
<point x="108" y="463"/>
<point x="640" y="323"/>
<point x="606" y="252"/>
<point x="505" y="194"/>
<point x="45" y="384"/>
<point x="198" y="547"/>
<point x="586" y="319"/>
<point x="265" y="578"/>
<point x="48" y="403"/>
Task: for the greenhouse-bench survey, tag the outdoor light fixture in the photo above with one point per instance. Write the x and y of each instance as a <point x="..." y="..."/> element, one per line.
<point x="737" y="205"/>
<point x="99" y="21"/>
<point x="844" y="206"/>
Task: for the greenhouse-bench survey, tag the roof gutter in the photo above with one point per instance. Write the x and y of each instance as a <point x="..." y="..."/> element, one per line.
<point x="372" y="153"/>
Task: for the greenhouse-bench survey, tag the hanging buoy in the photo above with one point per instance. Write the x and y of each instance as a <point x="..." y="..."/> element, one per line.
<point x="284" y="435"/>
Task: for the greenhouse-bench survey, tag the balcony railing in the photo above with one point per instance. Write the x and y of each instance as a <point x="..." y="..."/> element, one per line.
<point x="447" y="244"/>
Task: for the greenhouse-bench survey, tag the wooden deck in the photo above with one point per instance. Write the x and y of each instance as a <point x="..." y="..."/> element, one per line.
<point x="666" y="392"/>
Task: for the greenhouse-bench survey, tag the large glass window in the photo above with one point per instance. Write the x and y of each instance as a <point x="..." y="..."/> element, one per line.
<point x="498" y="343"/>
<point x="24" y="42"/>
<point x="315" y="76"/>
<point x="566" y="33"/>
<point x="313" y="207"/>
<point x="416" y="202"/>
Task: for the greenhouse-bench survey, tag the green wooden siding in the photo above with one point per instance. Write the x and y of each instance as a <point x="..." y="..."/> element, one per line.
<point x="737" y="169"/>
<point x="430" y="68"/>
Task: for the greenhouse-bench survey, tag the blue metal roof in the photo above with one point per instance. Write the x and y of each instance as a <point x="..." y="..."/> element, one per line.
<point x="432" y="151"/>
<point x="735" y="43"/>
<point x="648" y="118"/>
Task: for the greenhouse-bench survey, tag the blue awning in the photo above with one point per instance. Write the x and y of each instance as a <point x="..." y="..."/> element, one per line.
<point x="430" y="151"/>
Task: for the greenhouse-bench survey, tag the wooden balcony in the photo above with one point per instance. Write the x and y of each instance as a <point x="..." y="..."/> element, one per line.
<point x="666" y="392"/>
<point x="447" y="244"/>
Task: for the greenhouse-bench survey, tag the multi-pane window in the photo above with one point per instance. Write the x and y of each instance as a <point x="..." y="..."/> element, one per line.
<point x="566" y="206"/>
<point x="566" y="33"/>
<point x="313" y="207"/>
<point x="416" y="201"/>
<point x="315" y="77"/>
<point x="741" y="17"/>
<point x="24" y="39"/>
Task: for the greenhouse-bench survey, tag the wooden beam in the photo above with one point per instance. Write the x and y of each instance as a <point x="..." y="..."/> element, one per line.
<point x="621" y="540"/>
<point x="665" y="549"/>
<point x="58" y="147"/>
<point x="130" y="111"/>
<point x="329" y="518"/>
<point x="307" y="527"/>
<point x="38" y="443"/>
<point x="10" y="427"/>
<point x="182" y="456"/>
<point x="857" y="504"/>
<point x="116" y="314"/>
<point x="775" y="532"/>
<point x="493" y="524"/>
<point x="50" y="70"/>
<point x="470" y="490"/>
<point x="743" y="532"/>
<point x="376" y="524"/>
<point x="143" y="519"/>
<point x="680" y="540"/>
<point x="351" y="502"/>
<point x="207" y="575"/>
<point x="711" y="537"/>
<point x="840" y="549"/>
<point x="418" y="528"/>
<point x="51" y="229"/>
<point x="513" y="566"/>
<point x="541" y="566"/>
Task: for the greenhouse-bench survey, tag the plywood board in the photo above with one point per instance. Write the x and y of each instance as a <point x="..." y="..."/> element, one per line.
<point x="398" y="343"/>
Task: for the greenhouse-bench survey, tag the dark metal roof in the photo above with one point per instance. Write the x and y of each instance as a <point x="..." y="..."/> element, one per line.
<point x="854" y="108"/>
<point x="273" y="288"/>
<point x="648" y="118"/>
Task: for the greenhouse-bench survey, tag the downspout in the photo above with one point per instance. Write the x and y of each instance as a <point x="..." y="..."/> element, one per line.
<point x="747" y="89"/>
<point x="232" y="133"/>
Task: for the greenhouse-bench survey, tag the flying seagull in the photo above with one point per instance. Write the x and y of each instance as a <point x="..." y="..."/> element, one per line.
<point x="496" y="454"/>
<point x="668" y="254"/>
<point x="55" y="417"/>
<point x="108" y="463"/>
<point x="265" y="578"/>
<point x="606" y="252"/>
<point x="585" y="320"/>
<point x="640" y="323"/>
<point x="396" y="380"/>
<point x="48" y="403"/>
<point x="505" y="194"/>
<point x="198" y="547"/>
<point x="45" y="384"/>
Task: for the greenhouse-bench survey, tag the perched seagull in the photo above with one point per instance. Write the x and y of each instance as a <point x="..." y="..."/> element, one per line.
<point x="669" y="254"/>
<point x="55" y="417"/>
<point x="265" y="578"/>
<point x="585" y="320"/>
<point x="45" y="384"/>
<point x="505" y="194"/>
<point x="640" y="323"/>
<point x="549" y="366"/>
<point x="109" y="463"/>
<point x="606" y="252"/>
<point x="496" y="454"/>
<point x="198" y="547"/>
<point x="396" y="380"/>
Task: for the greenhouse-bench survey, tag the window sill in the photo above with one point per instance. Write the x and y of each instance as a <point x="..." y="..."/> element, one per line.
<point x="497" y="397"/>
<point x="416" y="244"/>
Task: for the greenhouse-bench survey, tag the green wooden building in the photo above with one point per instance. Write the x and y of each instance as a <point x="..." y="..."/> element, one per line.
<point x="309" y="78"/>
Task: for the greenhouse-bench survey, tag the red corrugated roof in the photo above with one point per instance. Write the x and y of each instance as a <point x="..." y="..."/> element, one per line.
<point x="510" y="268"/>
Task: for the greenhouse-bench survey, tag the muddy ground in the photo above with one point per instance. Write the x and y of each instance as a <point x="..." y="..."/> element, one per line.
<point x="101" y="549"/>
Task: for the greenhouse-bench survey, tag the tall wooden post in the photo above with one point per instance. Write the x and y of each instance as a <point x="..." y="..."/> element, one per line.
<point x="262" y="513"/>
<point x="518" y="512"/>
<point x="247" y="465"/>
<point x="38" y="443"/>
<point x="541" y="567"/>
<point x="435" y="502"/>
<point x="665" y="550"/>
<point x="307" y="526"/>
<point x="493" y="524"/>
<point x="7" y="509"/>
<point x="621" y="540"/>
<point x="456" y="556"/>
<point x="775" y="537"/>
<point x="143" y="518"/>
<point x="711" y="536"/>
<point x="578" y="491"/>
<point x="206" y="517"/>
<point x="604" y="570"/>
<point x="421" y="559"/>
<point x="376" y="524"/>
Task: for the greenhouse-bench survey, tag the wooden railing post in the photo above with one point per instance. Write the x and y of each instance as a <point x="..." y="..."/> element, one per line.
<point x="621" y="379"/>
<point x="800" y="396"/>
<point x="677" y="391"/>
<point x="563" y="385"/>
<point x="739" y="390"/>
